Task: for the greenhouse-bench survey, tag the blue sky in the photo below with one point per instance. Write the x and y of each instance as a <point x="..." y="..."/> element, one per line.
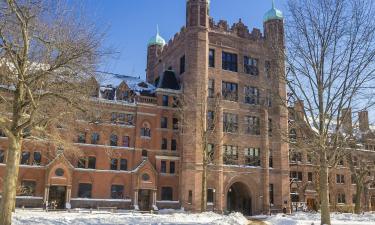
<point x="132" y="22"/>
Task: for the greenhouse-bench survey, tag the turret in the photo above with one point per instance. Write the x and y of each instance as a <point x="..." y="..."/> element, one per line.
<point x="197" y="13"/>
<point x="274" y="26"/>
<point x="154" y="47"/>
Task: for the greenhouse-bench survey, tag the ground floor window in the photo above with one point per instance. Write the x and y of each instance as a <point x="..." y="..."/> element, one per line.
<point x="2" y="156"/>
<point x="91" y="162"/>
<point x="117" y="191"/>
<point x="341" y="198"/>
<point x="210" y="195"/>
<point x="84" y="190"/>
<point x="28" y="188"/>
<point x="167" y="193"/>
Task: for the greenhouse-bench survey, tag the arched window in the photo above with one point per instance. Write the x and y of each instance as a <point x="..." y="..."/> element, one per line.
<point x="146" y="130"/>
<point x="113" y="140"/>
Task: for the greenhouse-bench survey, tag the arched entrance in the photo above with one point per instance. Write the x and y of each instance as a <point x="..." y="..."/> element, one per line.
<point x="239" y="199"/>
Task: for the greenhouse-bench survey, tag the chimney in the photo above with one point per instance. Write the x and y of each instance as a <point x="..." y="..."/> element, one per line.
<point x="346" y="120"/>
<point x="363" y="121"/>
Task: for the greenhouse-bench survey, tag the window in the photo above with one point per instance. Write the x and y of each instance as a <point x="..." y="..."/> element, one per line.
<point x="81" y="138"/>
<point x="252" y="125"/>
<point x="126" y="141"/>
<point x="341" y="162"/>
<point x="94" y="138"/>
<point x="145" y="132"/>
<point x="81" y="163"/>
<point x="252" y="156"/>
<point x="113" y="140"/>
<point x="270" y="127"/>
<point x="269" y="98"/>
<point x="114" y="164"/>
<point x="175" y="124"/>
<point x="164" y="144"/>
<point x="172" y="167"/>
<point x="123" y="164"/>
<point x="310" y="176"/>
<point x="341" y="198"/>
<point x="353" y="179"/>
<point x="210" y="151"/>
<point x="251" y="95"/>
<point x="163" y="167"/>
<point x="210" y="120"/>
<point x="295" y="156"/>
<point x="340" y="179"/>
<point x="230" y="154"/>
<point x="309" y="158"/>
<point x="144" y="153"/>
<point x="270" y="160"/>
<point x="59" y="172"/>
<point x="166" y="193"/>
<point x="182" y="64"/>
<point x="84" y="190"/>
<point x="293" y="135"/>
<point x="229" y="61"/>
<point x="210" y="195"/>
<point x="229" y="91"/>
<point x="165" y="100"/>
<point x="25" y="157"/>
<point x="28" y="188"/>
<point x="37" y="158"/>
<point x="2" y="156"/>
<point x="250" y="65"/>
<point x="173" y="145"/>
<point x="164" y="122"/>
<point x="211" y="58"/>
<point x="296" y="176"/>
<point x="113" y="117"/>
<point x="271" y="194"/>
<point x="190" y="197"/>
<point x="121" y="118"/>
<point x="91" y="162"/>
<point x="230" y="122"/>
<point x="267" y="68"/>
<point x="117" y="191"/>
<point x="211" y="88"/>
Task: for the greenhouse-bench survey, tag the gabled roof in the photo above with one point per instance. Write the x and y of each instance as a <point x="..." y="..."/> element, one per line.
<point x="168" y="80"/>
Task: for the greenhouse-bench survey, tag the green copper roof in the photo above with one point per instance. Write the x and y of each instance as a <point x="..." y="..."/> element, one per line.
<point x="157" y="39"/>
<point x="273" y="14"/>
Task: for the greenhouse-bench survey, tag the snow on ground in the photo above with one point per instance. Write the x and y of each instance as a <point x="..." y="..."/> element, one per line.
<point x="84" y="217"/>
<point x="314" y="218"/>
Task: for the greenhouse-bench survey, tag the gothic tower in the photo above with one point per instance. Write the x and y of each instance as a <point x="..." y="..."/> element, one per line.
<point x="154" y="48"/>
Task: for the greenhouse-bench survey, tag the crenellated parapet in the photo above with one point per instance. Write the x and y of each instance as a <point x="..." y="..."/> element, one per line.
<point x="174" y="41"/>
<point x="238" y="29"/>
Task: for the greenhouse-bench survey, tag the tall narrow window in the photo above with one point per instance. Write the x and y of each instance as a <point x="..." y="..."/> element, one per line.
<point x="269" y="98"/>
<point x="211" y="88"/>
<point x="114" y="163"/>
<point x="123" y="164"/>
<point x="270" y="127"/>
<point x="166" y="194"/>
<point x="210" y="195"/>
<point x="230" y="154"/>
<point x="95" y="138"/>
<point x="175" y="124"/>
<point x="25" y="158"/>
<point x="114" y="117"/>
<point x="251" y="66"/>
<point x="165" y="100"/>
<point x="164" y="122"/>
<point x="211" y="58"/>
<point x="210" y="120"/>
<point x="230" y="91"/>
<point x="173" y="145"/>
<point x="230" y="122"/>
<point x="252" y="156"/>
<point x="229" y="61"/>
<point x="267" y="68"/>
<point x="310" y="176"/>
<point x="121" y="118"/>
<point x="37" y="158"/>
<point x="91" y="162"/>
<point x="163" y="167"/>
<point x="270" y="159"/>
<point x="210" y="151"/>
<point x="252" y="125"/>
<point x="117" y="191"/>
<point x="271" y="194"/>
<point x="182" y="64"/>
<point x="84" y="190"/>
<point x="81" y="138"/>
<point x="164" y="144"/>
<point x="172" y="167"/>
<point x="2" y="156"/>
<point x="126" y="141"/>
<point x="113" y="140"/>
<point x="190" y="197"/>
<point x="251" y="95"/>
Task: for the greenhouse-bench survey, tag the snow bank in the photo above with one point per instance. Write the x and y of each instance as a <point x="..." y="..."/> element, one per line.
<point x="168" y="217"/>
<point x="314" y="218"/>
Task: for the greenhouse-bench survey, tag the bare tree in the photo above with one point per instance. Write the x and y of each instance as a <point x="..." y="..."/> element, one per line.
<point x="330" y="59"/>
<point x="48" y="52"/>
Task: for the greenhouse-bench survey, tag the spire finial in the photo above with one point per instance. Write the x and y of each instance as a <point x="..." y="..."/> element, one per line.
<point x="273" y="4"/>
<point x="157" y="29"/>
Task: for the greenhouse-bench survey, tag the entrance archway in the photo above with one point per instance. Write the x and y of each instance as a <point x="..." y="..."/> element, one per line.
<point x="239" y="199"/>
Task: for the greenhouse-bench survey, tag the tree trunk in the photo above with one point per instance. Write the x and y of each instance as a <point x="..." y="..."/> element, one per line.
<point x="10" y="182"/>
<point x="357" y="207"/>
<point x="204" y="183"/>
<point x="324" y="190"/>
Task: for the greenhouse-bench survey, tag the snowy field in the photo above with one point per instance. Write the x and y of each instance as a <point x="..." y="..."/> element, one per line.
<point x="38" y="217"/>
<point x="309" y="219"/>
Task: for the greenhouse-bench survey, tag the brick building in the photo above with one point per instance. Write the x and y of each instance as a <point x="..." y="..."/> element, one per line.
<point x="139" y="152"/>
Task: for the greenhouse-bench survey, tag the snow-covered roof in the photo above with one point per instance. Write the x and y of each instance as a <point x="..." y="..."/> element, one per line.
<point x="110" y="80"/>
